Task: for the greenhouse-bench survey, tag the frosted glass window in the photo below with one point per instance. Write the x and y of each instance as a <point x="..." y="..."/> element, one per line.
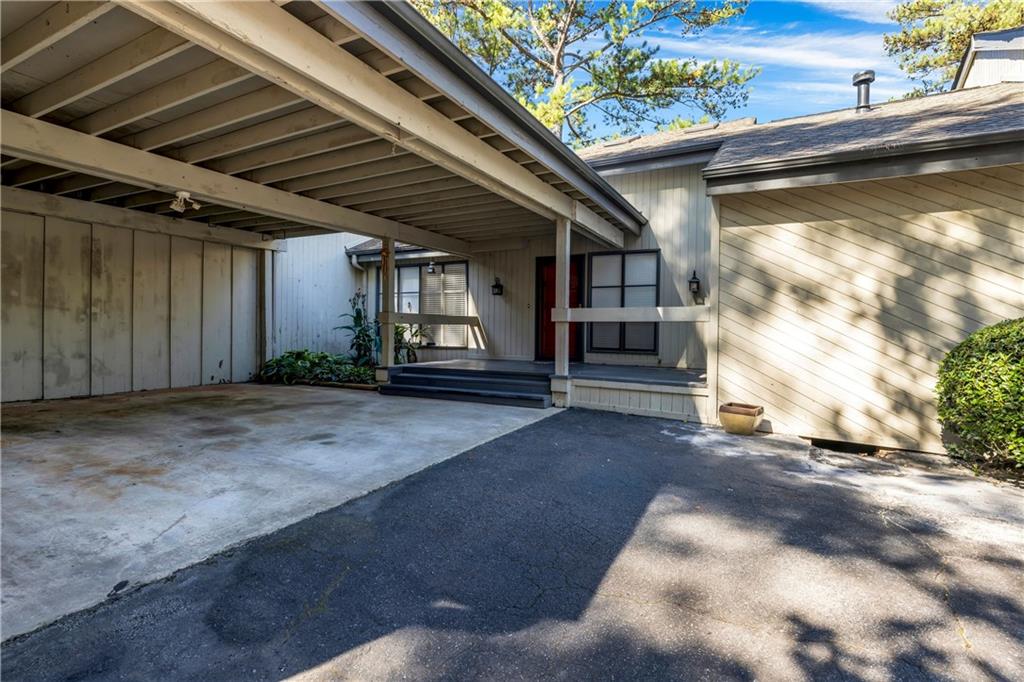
<point x="606" y="271"/>
<point x="641" y="268"/>
<point x="640" y="336"/>
<point x="624" y="280"/>
<point x="604" y="335"/>
<point x="640" y="297"/>
<point x="606" y="298"/>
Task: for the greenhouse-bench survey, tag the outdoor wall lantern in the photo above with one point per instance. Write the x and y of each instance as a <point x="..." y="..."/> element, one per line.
<point x="430" y="268"/>
<point x="497" y="288"/>
<point x="695" y="284"/>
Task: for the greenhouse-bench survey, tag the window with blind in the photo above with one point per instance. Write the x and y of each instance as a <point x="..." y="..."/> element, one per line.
<point x="624" y="280"/>
<point x="442" y="292"/>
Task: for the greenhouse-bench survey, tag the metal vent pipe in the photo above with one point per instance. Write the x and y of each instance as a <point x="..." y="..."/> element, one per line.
<point x="863" y="81"/>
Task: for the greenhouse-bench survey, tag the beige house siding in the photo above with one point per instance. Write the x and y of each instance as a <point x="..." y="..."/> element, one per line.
<point x="674" y="201"/>
<point x="838" y="302"/>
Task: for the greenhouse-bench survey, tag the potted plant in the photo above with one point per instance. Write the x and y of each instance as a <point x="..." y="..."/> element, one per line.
<point x="740" y="418"/>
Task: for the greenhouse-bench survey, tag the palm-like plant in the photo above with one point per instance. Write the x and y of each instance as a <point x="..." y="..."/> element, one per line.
<point x="363" y="329"/>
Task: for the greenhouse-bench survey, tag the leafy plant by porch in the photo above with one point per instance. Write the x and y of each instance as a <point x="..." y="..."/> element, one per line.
<point x="303" y="366"/>
<point x="981" y="396"/>
<point x="363" y="328"/>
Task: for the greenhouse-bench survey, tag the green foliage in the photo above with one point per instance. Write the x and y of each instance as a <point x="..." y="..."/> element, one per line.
<point x="569" y="61"/>
<point x="680" y="123"/>
<point x="980" y="395"/>
<point x="934" y="34"/>
<point x="408" y="339"/>
<point x="363" y="329"/>
<point x="305" y="366"/>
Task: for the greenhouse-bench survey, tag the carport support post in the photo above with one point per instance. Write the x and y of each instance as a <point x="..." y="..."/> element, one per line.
<point x="387" y="304"/>
<point x="560" y="385"/>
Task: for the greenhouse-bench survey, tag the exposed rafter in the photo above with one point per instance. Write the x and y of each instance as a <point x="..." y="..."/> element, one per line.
<point x="55" y="23"/>
<point x="271" y="43"/>
<point x="51" y="144"/>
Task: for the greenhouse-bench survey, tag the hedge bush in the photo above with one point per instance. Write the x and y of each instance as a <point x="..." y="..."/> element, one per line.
<point x="306" y="366"/>
<point x="980" y="395"/>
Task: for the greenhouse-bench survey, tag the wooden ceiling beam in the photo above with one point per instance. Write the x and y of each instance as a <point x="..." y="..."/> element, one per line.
<point x="52" y="144"/>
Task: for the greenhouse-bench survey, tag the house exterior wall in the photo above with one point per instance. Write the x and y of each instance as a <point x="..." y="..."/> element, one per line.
<point x="995" y="66"/>
<point x="838" y="302"/>
<point x="91" y="309"/>
<point x="675" y="203"/>
<point x="312" y="284"/>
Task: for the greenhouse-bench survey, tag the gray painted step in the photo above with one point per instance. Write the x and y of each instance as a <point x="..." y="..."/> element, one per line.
<point x="475" y="395"/>
<point x="441" y="380"/>
<point x="455" y="371"/>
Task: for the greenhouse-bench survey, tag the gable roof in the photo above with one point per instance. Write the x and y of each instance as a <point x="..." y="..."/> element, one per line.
<point x="662" y="144"/>
<point x="987" y="41"/>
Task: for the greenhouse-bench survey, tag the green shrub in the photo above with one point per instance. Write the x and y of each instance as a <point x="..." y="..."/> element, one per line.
<point x="981" y="396"/>
<point x="303" y="365"/>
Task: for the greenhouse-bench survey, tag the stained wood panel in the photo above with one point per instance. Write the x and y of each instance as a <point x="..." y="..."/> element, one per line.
<point x="186" y="311"/>
<point x="93" y="309"/>
<point x="216" y="313"/>
<point x="244" y="318"/>
<point x="151" y="297"/>
<point x="66" y="265"/>
<point x="21" y="289"/>
<point x="112" y="258"/>
<point x="839" y="302"/>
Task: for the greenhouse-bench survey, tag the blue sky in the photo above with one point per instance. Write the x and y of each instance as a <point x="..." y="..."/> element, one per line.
<point x="808" y="52"/>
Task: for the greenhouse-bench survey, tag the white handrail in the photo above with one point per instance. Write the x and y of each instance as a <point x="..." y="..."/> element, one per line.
<point x="683" y="313"/>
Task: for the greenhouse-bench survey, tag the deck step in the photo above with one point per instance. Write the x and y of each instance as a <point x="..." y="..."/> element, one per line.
<point x="435" y="370"/>
<point x="474" y="395"/>
<point x="454" y="381"/>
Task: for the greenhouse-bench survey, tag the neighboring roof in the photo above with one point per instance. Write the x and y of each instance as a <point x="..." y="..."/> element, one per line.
<point x="708" y="136"/>
<point x="987" y="41"/>
<point x="373" y="246"/>
<point x="976" y="116"/>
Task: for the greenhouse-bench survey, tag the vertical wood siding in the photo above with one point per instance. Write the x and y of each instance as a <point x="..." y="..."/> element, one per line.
<point x="313" y="282"/>
<point x="22" y="242"/>
<point x="66" y="263"/>
<point x="91" y="309"/>
<point x="838" y="302"/>
<point x="675" y="203"/>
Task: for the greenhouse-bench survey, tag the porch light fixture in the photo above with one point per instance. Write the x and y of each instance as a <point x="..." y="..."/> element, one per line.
<point x="183" y="201"/>
<point x="430" y="268"/>
<point x="497" y="288"/>
<point x="695" y="284"/>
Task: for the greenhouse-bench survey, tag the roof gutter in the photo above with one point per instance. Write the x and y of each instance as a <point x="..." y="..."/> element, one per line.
<point x="881" y="152"/>
<point x="678" y="155"/>
<point x="409" y="21"/>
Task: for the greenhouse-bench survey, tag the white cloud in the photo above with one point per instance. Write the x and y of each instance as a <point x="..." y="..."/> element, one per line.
<point x="819" y="51"/>
<point x="869" y="11"/>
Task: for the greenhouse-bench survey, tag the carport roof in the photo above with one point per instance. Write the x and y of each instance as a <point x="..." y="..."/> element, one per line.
<point x="284" y="119"/>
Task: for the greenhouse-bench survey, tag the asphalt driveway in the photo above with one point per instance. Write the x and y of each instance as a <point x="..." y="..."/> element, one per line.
<point x="592" y="546"/>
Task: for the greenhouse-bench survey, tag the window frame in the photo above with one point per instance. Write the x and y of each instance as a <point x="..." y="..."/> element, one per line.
<point x="622" y="286"/>
<point x="420" y="269"/>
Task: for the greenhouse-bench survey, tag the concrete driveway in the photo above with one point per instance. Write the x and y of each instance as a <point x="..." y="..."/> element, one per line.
<point x="593" y="546"/>
<point x="102" y="494"/>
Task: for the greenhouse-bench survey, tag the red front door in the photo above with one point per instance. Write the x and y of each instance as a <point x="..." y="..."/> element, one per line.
<point x="546" y="301"/>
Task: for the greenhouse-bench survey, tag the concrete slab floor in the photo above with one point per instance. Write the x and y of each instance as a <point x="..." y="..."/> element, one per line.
<point x="592" y="546"/>
<point x="100" y="494"/>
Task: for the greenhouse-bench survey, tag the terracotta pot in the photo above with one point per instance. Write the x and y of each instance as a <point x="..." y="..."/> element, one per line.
<point x="740" y="418"/>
